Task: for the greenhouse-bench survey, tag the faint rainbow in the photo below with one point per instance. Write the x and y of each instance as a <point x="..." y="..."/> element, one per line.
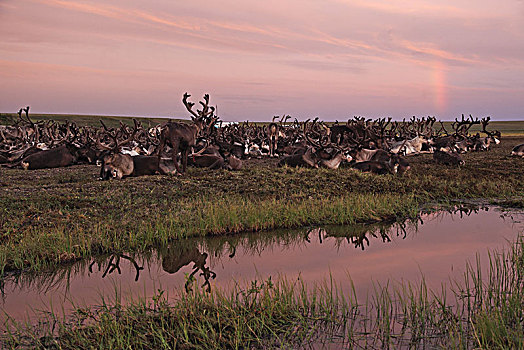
<point x="440" y="87"/>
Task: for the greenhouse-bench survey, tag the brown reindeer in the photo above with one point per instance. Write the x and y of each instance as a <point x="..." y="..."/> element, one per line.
<point x="234" y="163"/>
<point x="115" y="164"/>
<point x="272" y="135"/>
<point x="518" y="151"/>
<point x="378" y="167"/>
<point x="308" y="159"/>
<point x="335" y="160"/>
<point x="182" y="137"/>
<point x="448" y="158"/>
<point x="54" y="158"/>
<point x="209" y="161"/>
<point x="118" y="165"/>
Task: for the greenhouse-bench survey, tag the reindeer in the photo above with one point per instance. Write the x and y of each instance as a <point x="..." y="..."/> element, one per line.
<point x="118" y="165"/>
<point x="209" y="161"/>
<point x="272" y="135"/>
<point x="38" y="147"/>
<point x="518" y="151"/>
<point x="321" y="152"/>
<point x="54" y="158"/>
<point x="378" y="167"/>
<point x="447" y="158"/>
<point x="234" y="163"/>
<point x="61" y="156"/>
<point x="335" y="160"/>
<point x="114" y="164"/>
<point x="386" y="157"/>
<point x="182" y="137"/>
<point x="307" y="159"/>
<point x="363" y="154"/>
<point x="415" y="145"/>
<point x="484" y="143"/>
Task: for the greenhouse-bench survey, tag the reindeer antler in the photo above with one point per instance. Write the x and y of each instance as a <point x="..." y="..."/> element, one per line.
<point x="189" y="105"/>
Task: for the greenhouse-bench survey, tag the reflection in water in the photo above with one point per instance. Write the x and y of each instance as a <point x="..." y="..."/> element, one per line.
<point x="429" y="244"/>
<point x="114" y="264"/>
<point x="357" y="235"/>
<point x="179" y="255"/>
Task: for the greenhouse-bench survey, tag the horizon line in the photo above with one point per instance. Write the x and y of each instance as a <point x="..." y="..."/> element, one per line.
<point x="239" y="121"/>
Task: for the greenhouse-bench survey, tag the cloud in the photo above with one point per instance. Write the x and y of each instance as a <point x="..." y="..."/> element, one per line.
<point x="338" y="38"/>
<point x="324" y="65"/>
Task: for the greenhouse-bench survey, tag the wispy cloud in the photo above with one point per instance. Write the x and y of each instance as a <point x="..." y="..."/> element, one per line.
<point x="417" y="7"/>
<point x="215" y="35"/>
<point x="325" y="65"/>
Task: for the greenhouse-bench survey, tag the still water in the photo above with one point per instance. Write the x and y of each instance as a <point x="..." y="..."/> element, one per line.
<point x="436" y="247"/>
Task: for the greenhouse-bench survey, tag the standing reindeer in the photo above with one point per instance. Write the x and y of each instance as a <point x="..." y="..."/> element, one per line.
<point x="182" y="137"/>
<point x="273" y="132"/>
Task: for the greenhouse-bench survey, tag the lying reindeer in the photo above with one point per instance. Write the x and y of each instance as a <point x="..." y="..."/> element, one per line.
<point x="447" y="158"/>
<point x="233" y="163"/>
<point x="386" y="157"/>
<point x="54" y="158"/>
<point x="209" y="161"/>
<point x="307" y="159"/>
<point x="363" y="154"/>
<point x="118" y="166"/>
<point x="518" y="151"/>
<point x="377" y="167"/>
<point x="211" y="157"/>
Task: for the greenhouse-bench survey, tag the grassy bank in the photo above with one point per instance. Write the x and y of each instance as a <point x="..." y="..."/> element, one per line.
<point x="484" y="310"/>
<point x="55" y="216"/>
<point x="62" y="242"/>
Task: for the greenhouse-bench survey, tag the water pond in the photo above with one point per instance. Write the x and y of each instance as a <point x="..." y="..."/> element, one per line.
<point x="435" y="246"/>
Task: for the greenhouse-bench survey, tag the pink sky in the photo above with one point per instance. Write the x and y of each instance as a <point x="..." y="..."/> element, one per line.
<point x="328" y="58"/>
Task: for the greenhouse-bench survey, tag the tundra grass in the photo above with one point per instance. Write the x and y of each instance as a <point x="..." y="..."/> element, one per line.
<point x="55" y="216"/>
<point x="484" y="309"/>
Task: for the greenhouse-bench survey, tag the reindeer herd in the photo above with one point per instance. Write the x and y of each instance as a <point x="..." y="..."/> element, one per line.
<point x="378" y="146"/>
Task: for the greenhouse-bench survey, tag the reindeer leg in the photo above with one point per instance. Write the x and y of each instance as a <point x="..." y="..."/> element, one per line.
<point x="185" y="153"/>
<point x="174" y="153"/>
<point x="160" y="147"/>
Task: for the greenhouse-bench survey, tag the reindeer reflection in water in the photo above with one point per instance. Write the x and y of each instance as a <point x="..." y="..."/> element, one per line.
<point x="173" y="259"/>
<point x="114" y="264"/>
<point x="180" y="255"/>
<point x="357" y="234"/>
